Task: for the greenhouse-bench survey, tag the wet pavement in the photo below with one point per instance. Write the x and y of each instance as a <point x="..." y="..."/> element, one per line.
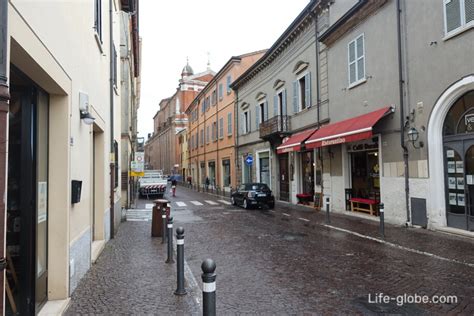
<point x="285" y="261"/>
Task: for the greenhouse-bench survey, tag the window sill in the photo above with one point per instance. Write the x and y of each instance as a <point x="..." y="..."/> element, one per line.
<point x="357" y="83"/>
<point x="458" y="31"/>
<point x="99" y="42"/>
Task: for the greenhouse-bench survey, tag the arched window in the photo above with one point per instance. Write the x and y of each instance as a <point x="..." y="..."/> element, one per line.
<point x="460" y="118"/>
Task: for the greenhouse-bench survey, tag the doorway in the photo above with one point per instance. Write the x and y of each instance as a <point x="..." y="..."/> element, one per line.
<point x="284" y="177"/>
<point x="307" y="173"/>
<point x="27" y="201"/>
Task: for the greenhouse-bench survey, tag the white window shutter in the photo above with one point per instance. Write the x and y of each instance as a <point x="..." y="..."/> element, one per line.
<point x="295" y="96"/>
<point x="265" y="116"/>
<point x="308" y="90"/>
<point x="284" y="112"/>
<point x="275" y="105"/>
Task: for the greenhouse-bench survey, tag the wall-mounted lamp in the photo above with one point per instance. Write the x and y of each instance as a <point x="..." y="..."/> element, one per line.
<point x="413" y="137"/>
<point x="84" y="109"/>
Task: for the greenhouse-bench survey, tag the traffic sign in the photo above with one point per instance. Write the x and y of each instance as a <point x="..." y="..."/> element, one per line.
<point x="249" y="160"/>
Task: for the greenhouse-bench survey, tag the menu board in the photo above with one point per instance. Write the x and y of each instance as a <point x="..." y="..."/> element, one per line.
<point x="455" y="179"/>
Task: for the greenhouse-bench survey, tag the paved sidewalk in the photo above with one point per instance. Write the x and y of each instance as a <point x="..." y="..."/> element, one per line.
<point x="131" y="277"/>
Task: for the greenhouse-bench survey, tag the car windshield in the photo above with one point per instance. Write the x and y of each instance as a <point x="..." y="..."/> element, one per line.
<point x="256" y="187"/>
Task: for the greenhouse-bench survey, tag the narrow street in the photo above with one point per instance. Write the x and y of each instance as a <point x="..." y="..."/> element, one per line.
<point x="274" y="262"/>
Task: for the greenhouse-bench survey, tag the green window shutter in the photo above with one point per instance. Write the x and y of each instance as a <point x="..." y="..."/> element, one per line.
<point x="308" y="89"/>
<point x="295" y="96"/>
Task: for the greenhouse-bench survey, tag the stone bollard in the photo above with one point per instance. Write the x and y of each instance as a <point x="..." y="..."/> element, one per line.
<point x="209" y="287"/>
<point x="170" y="241"/>
<point x="180" y="290"/>
<point x="328" y="219"/>
<point x="382" y="220"/>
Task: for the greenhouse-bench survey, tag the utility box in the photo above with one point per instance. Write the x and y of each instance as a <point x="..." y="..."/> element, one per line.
<point x="76" y="187"/>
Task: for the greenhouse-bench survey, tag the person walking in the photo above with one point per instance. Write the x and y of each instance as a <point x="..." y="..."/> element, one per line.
<point x="207" y="183"/>
<point x="173" y="185"/>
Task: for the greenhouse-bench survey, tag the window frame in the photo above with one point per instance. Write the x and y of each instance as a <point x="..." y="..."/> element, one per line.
<point x="220" y="127"/>
<point x="463" y="24"/>
<point x="229" y="81"/>
<point x="246" y="126"/>
<point x="229" y="124"/>
<point x="357" y="58"/>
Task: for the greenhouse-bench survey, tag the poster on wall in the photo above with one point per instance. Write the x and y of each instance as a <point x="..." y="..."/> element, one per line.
<point x="461" y="199"/>
<point x="470" y="179"/>
<point x="452" y="199"/>
<point x="460" y="183"/>
<point x="452" y="183"/>
<point x="459" y="167"/>
<point x="450" y="153"/>
<point x="451" y="167"/>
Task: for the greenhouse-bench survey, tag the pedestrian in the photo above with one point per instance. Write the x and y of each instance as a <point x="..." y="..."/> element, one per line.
<point x="189" y="181"/>
<point x="173" y="185"/>
<point x="207" y="183"/>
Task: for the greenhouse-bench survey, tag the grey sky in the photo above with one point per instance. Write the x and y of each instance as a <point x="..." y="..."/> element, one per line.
<point x="173" y="30"/>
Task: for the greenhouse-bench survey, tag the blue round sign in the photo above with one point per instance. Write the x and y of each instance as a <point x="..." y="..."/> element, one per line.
<point x="249" y="160"/>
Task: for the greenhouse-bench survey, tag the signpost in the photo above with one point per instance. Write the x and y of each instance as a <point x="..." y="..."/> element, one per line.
<point x="137" y="167"/>
<point x="249" y="160"/>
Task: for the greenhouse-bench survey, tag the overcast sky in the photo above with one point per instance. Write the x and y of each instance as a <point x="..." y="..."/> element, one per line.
<point x="174" y="30"/>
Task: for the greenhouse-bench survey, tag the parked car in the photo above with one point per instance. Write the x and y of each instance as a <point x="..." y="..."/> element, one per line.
<point x="253" y="194"/>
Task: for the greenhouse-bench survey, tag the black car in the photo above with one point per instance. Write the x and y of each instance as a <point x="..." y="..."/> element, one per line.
<point x="253" y="194"/>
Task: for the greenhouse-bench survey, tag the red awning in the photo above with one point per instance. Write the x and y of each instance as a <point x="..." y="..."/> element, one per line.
<point x="293" y="143"/>
<point x="356" y="128"/>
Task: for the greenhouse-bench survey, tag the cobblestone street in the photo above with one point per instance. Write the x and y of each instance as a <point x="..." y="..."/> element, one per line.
<point x="277" y="262"/>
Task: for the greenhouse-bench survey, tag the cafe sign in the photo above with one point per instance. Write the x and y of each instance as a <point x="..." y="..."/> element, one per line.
<point x="469" y="121"/>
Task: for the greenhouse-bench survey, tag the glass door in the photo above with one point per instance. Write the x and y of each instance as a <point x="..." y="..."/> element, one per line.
<point x="468" y="182"/>
<point x="284" y="178"/>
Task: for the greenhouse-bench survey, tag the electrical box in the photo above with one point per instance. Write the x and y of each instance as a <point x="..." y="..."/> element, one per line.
<point x="76" y="187"/>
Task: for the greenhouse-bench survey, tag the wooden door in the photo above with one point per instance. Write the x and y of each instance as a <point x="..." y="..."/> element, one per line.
<point x="284" y="178"/>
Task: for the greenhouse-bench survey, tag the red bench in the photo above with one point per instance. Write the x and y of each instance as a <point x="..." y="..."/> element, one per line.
<point x="304" y="198"/>
<point x="364" y="205"/>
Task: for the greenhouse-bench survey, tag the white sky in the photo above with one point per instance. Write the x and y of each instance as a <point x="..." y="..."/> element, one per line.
<point x="173" y="30"/>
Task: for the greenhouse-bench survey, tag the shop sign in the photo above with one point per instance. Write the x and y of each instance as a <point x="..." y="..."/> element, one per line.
<point x="363" y="147"/>
<point x="335" y="141"/>
<point x="469" y="121"/>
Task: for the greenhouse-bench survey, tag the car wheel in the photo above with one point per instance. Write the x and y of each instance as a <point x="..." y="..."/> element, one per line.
<point x="245" y="205"/>
<point x="233" y="201"/>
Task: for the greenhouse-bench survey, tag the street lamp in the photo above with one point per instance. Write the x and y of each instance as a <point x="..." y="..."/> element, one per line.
<point x="87" y="117"/>
<point x="413" y="137"/>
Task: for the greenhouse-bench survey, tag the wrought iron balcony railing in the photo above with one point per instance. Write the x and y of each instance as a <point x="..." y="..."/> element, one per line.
<point x="275" y="127"/>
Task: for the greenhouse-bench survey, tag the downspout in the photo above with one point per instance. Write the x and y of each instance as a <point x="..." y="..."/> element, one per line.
<point x="236" y="135"/>
<point x="112" y="151"/>
<point x="218" y="137"/>
<point x="4" y="100"/>
<point x="402" y="113"/>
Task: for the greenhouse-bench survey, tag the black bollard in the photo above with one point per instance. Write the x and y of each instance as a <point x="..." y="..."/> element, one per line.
<point x="170" y="241"/>
<point x="208" y="287"/>
<point x="328" y="219"/>
<point x="180" y="261"/>
<point x="163" y="224"/>
<point x="382" y="220"/>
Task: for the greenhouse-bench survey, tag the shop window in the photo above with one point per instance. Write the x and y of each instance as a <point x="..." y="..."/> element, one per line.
<point x="226" y="172"/>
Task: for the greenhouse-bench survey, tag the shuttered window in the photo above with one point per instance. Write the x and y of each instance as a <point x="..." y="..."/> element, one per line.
<point x="229" y="81"/>
<point x="229" y="124"/>
<point x="221" y="127"/>
<point x="208" y="135"/>
<point x="221" y="91"/>
<point x="356" y="58"/>
<point x="458" y="14"/>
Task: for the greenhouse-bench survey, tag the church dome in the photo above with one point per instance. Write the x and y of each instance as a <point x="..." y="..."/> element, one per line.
<point x="187" y="70"/>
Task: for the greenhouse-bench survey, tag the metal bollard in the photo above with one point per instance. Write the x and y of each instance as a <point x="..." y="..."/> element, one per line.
<point x="180" y="261"/>
<point x="170" y="241"/>
<point x="382" y="220"/>
<point x="163" y="224"/>
<point x="209" y="287"/>
<point x="328" y="219"/>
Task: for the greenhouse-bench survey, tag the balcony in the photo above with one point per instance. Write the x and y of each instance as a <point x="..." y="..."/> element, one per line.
<point x="275" y="128"/>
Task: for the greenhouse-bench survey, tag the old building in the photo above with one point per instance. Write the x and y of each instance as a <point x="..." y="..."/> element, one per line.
<point x="278" y="98"/>
<point x="212" y="126"/>
<point x="162" y="148"/>
<point x="59" y="140"/>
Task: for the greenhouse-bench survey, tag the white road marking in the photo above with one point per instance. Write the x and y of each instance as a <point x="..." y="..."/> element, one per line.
<point x="181" y="204"/>
<point x="196" y="203"/>
<point x="303" y="219"/>
<point x="148" y="206"/>
<point x="286" y="214"/>
<point x="211" y="202"/>
<point x="401" y="247"/>
<point x="137" y="220"/>
<point x="224" y="201"/>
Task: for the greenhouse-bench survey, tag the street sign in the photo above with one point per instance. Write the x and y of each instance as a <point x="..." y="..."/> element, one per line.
<point x="249" y="160"/>
<point x="137" y="174"/>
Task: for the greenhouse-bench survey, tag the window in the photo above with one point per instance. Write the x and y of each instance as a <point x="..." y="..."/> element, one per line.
<point x="214" y="97"/>
<point x="207" y="135"/>
<point x="98" y="18"/>
<point x="221" y="127"/>
<point x="245" y="122"/>
<point x="229" y="124"/>
<point x="356" y="57"/>
<point x="207" y="103"/>
<point x="221" y="91"/>
<point x="202" y="137"/>
<point x="279" y="103"/>
<point x="214" y="131"/>
<point x="301" y="94"/>
<point x="458" y="14"/>
<point x="229" y="79"/>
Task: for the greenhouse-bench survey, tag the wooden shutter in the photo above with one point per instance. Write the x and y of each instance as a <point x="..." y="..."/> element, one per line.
<point x="352" y="62"/>
<point x="308" y="89"/>
<point x="257" y="116"/>
<point x="295" y="96"/>
<point x="265" y="111"/>
<point x="275" y="105"/>
<point x="229" y="123"/>
<point x="283" y="97"/>
<point x="242" y="124"/>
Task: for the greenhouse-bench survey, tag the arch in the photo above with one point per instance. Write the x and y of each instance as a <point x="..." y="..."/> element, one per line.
<point x="435" y="147"/>
<point x="300" y="66"/>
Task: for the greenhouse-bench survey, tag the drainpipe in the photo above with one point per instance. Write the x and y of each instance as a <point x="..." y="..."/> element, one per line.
<point x="4" y="99"/>
<point x="112" y="150"/>
<point x="236" y="135"/>
<point x="401" y="83"/>
<point x="216" y="167"/>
